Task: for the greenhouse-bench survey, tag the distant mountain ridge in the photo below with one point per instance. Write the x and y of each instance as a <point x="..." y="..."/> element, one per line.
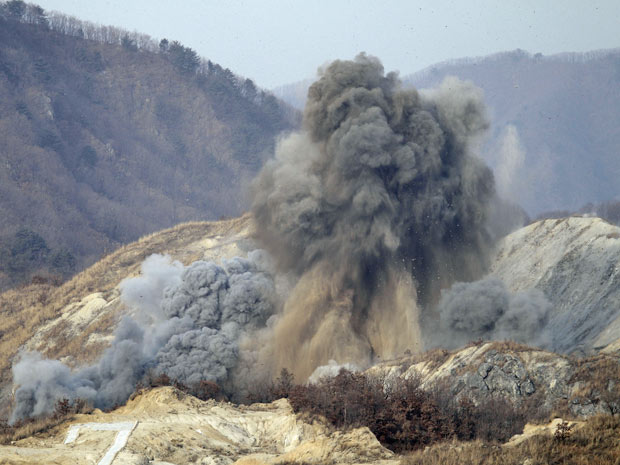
<point x="294" y="93"/>
<point x="106" y="135"/>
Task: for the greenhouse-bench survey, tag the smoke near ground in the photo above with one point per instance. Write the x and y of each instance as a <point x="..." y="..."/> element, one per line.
<point x="188" y="323"/>
<point x="486" y="310"/>
<point x="369" y="211"/>
<point x="330" y="370"/>
<point x="375" y="205"/>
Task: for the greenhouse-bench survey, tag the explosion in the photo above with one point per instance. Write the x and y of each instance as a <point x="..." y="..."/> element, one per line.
<point x="368" y="211"/>
<point x="375" y="205"/>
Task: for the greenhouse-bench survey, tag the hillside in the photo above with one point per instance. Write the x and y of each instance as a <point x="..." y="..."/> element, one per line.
<point x="76" y="321"/>
<point x="575" y="262"/>
<point x="106" y="136"/>
<point x="294" y="93"/>
<point x="78" y="318"/>
<point x="554" y="142"/>
<point x="167" y="426"/>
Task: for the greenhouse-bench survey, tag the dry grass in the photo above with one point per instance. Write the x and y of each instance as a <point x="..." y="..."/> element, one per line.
<point x="435" y="358"/>
<point x="596" y="443"/>
<point x="79" y="345"/>
<point x="599" y="377"/>
<point x="23" y="310"/>
<point x="44" y="426"/>
<point x="510" y="346"/>
<point x="41" y="427"/>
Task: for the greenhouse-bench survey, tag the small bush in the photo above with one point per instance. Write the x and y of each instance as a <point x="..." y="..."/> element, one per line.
<point x="597" y="442"/>
<point x="28" y="427"/>
<point x="563" y="431"/>
<point x="63" y="408"/>
<point x="203" y="389"/>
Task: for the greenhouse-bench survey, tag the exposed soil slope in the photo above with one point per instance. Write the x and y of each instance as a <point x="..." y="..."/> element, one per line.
<point x="576" y="263"/>
<point x="179" y="429"/>
<point x="78" y="318"/>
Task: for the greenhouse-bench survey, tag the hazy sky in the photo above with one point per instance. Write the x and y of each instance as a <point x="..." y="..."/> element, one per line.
<point x="276" y="42"/>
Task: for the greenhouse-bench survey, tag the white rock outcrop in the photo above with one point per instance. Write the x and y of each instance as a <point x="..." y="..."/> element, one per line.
<point x="576" y="263"/>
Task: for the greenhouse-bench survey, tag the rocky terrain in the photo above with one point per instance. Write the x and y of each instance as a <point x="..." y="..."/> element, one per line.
<point x="76" y="322"/>
<point x="166" y="426"/>
<point x="556" y="383"/>
<point x="540" y="255"/>
<point x="576" y="263"/>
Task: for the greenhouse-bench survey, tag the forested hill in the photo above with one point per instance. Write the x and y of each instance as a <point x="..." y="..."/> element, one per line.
<point x="106" y="136"/>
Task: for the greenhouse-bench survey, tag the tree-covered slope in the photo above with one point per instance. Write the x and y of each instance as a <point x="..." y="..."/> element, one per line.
<point x="106" y="136"/>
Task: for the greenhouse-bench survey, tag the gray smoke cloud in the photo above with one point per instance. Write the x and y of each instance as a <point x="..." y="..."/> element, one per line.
<point x="485" y="309"/>
<point x="375" y="205"/>
<point x="369" y="211"/>
<point x="188" y="323"/>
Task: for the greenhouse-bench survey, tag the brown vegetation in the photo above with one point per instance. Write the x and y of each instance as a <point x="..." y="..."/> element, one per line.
<point x="599" y="378"/>
<point x="609" y="211"/>
<point x="106" y="136"/>
<point x="399" y="412"/>
<point x="203" y="390"/>
<point x="596" y="443"/>
<point x="65" y="410"/>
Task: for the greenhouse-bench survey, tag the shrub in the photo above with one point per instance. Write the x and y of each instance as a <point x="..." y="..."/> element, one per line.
<point x="401" y="414"/>
<point x="203" y="389"/>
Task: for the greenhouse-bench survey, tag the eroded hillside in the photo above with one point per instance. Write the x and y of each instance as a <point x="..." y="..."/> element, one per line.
<point x="575" y="262"/>
<point x="75" y="322"/>
<point x="78" y="318"/>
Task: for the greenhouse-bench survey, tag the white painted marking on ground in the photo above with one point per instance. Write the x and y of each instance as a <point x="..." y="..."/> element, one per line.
<point x="72" y="434"/>
<point x="119" y="442"/>
<point x="124" y="429"/>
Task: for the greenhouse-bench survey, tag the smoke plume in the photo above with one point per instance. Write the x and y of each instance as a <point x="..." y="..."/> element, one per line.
<point x="375" y="205"/>
<point x="486" y="310"/>
<point x="188" y="323"/>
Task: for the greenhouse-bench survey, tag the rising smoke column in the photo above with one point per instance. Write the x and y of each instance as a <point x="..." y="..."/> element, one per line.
<point x="374" y="205"/>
